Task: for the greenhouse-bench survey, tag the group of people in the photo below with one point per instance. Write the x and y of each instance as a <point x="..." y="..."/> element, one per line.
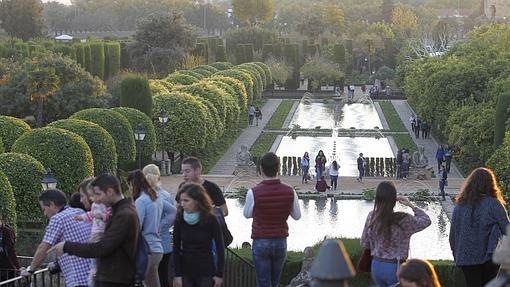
<point x="403" y="161"/>
<point x="333" y="170"/>
<point x="254" y="113"/>
<point x="418" y="125"/>
<point x="479" y="220"/>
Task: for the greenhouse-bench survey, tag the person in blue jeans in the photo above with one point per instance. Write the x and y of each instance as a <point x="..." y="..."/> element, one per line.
<point x="320" y="164"/>
<point x="269" y="204"/>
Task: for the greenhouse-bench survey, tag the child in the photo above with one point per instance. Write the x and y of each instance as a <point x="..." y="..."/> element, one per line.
<point x="321" y="185"/>
<point x="98" y="214"/>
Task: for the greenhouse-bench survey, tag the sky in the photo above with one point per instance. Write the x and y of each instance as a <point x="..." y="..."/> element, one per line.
<point x="67" y="2"/>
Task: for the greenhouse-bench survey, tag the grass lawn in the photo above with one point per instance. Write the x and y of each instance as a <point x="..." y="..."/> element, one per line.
<point x="262" y="144"/>
<point x="392" y="117"/>
<point x="405" y="141"/>
<point x="279" y="116"/>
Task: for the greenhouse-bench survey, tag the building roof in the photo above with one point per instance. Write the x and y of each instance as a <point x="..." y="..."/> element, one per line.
<point x="449" y="12"/>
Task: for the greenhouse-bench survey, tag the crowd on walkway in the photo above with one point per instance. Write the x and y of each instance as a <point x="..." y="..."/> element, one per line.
<point x="112" y="240"/>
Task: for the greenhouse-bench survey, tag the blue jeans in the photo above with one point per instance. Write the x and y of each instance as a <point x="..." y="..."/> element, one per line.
<point x="268" y="258"/>
<point x="305" y="169"/>
<point x="319" y="171"/>
<point x="334" y="181"/>
<point x="441" y="187"/>
<point x="384" y="274"/>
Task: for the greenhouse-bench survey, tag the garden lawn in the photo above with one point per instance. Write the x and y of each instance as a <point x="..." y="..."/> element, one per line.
<point x="263" y="144"/>
<point x="405" y="141"/>
<point x="392" y="116"/>
<point x="279" y="116"/>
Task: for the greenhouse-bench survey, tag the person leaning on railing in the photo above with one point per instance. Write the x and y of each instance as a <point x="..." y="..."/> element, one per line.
<point x="8" y="259"/>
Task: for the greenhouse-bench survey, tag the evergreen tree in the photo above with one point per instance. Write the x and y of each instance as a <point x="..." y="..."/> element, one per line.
<point x="387" y="10"/>
<point x="253" y="11"/>
<point x="21" y="18"/>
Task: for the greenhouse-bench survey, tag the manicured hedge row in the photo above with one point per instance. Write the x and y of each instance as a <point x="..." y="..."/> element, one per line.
<point x="11" y="129"/>
<point x="66" y="153"/>
<point x="100" y="142"/>
<point x="180" y="79"/>
<point x="136" y="93"/>
<point x="8" y="206"/>
<point x="97" y="64"/>
<point x="25" y="174"/>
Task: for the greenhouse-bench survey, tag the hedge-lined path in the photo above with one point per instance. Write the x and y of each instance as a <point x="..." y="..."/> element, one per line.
<point x="226" y="165"/>
<point x="405" y="111"/>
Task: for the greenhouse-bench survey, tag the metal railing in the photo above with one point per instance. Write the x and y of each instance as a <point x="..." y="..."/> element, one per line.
<point x="40" y="278"/>
<point x="238" y="271"/>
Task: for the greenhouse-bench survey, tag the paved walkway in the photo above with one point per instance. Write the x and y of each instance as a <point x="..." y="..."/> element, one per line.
<point x="226" y="165"/>
<point x="404" y="111"/>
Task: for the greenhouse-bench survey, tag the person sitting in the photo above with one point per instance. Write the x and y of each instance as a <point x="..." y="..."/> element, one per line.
<point x="418" y="273"/>
<point x="322" y="185"/>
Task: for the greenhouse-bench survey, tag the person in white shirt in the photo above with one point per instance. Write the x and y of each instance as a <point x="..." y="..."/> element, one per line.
<point x="333" y="174"/>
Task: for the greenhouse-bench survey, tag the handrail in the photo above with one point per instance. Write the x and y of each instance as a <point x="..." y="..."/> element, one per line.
<point x="240" y="258"/>
<point x="13" y="280"/>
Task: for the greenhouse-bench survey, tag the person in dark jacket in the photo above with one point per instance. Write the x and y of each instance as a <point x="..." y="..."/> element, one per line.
<point x="115" y="252"/>
<point x="439" y="157"/>
<point x="9" y="264"/>
<point x="322" y="185"/>
<point x="443" y="180"/>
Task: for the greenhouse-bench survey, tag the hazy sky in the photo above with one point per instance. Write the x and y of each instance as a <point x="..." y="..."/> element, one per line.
<point x="61" y="1"/>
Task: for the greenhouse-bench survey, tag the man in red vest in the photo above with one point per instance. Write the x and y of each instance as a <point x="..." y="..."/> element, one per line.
<point x="269" y="204"/>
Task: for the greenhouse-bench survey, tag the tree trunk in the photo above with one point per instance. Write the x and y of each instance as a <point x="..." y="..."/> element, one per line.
<point x="39" y="115"/>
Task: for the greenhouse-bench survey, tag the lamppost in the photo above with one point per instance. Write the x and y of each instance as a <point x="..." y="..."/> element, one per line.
<point x="139" y="137"/>
<point x="48" y="181"/>
<point x="163" y="120"/>
<point x="333" y="266"/>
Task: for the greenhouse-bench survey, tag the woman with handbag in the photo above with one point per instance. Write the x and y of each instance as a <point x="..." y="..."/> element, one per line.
<point x="387" y="233"/>
<point x="478" y="221"/>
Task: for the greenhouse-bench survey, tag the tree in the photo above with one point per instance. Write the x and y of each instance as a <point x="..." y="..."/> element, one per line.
<point x="318" y="69"/>
<point x="21" y="18"/>
<point x="42" y="83"/>
<point x="253" y="12"/>
<point x="387" y="10"/>
<point x="279" y="70"/>
<point x="404" y="22"/>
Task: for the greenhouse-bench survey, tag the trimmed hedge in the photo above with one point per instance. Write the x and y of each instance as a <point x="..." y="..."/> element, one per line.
<point x="259" y="70"/>
<point x="100" y="142"/>
<point x="204" y="73"/>
<point x="267" y="73"/>
<point x="242" y="76"/>
<point x="136" y="93"/>
<point x="257" y="80"/>
<point x="118" y="127"/>
<point x="159" y="87"/>
<point x="221" y="53"/>
<point x="112" y="58"/>
<point x="2" y="149"/>
<point x="11" y="129"/>
<point x="80" y="54"/>
<point x="195" y="74"/>
<point x="221" y="66"/>
<point x="232" y="105"/>
<point x="97" y="57"/>
<point x="207" y="68"/>
<point x="500" y="117"/>
<point x="66" y="153"/>
<point x="8" y="206"/>
<point x="180" y="79"/>
<point x="135" y="118"/>
<point x="238" y="87"/>
<point x="87" y="58"/>
<point x="187" y="117"/>
<point x="25" y="174"/>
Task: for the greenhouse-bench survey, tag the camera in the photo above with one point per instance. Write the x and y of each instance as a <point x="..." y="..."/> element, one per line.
<point x="54" y="267"/>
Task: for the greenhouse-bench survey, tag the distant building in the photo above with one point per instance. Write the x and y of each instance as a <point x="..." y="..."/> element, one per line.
<point x="497" y="9"/>
<point x="452" y="13"/>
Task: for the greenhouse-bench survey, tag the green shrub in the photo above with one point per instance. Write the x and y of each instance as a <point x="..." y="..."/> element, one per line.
<point x="368" y="194"/>
<point x="87" y="53"/>
<point x="159" y="87"/>
<point x="2" y="149"/>
<point x="80" y="54"/>
<point x="180" y="79"/>
<point x="118" y="127"/>
<point x="207" y="68"/>
<point x="195" y="74"/>
<point x="97" y="57"/>
<point x="339" y="54"/>
<point x="112" y="58"/>
<point x="240" y="54"/>
<point x="100" y="142"/>
<point x="136" y="93"/>
<point x="221" y="53"/>
<point x="202" y="72"/>
<point x="186" y="129"/>
<point x="221" y="66"/>
<point x="499" y="162"/>
<point x="258" y="70"/>
<point x="22" y="48"/>
<point x="25" y="174"/>
<point x="267" y="73"/>
<point x="214" y="125"/>
<point x="242" y="76"/>
<point x="137" y="118"/>
<point x="11" y="129"/>
<point x="257" y="80"/>
<point x="238" y="87"/>
<point x="500" y="118"/>
<point x="279" y="116"/>
<point x="232" y="105"/>
<point x="8" y="206"/>
<point x="66" y="153"/>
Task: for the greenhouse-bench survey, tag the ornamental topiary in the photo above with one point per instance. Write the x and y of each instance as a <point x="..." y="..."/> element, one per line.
<point x="2" y="149"/>
<point x="64" y="152"/>
<point x="258" y="86"/>
<point x="118" y="127"/>
<point x="257" y="69"/>
<point x="267" y="72"/>
<point x="137" y="118"/>
<point x="136" y="93"/>
<point x="159" y="87"/>
<point x="238" y="87"/>
<point x="221" y="66"/>
<point x="207" y="68"/>
<point x="11" y="129"/>
<point x="97" y="59"/>
<point x="204" y="73"/>
<point x="24" y="173"/>
<point x="186" y="129"/>
<point x="232" y="106"/>
<point x="242" y="76"/>
<point x="8" y="206"/>
<point x="180" y="79"/>
<point x="100" y="142"/>
<point x="194" y="74"/>
<point x="112" y="58"/>
<point x="215" y="127"/>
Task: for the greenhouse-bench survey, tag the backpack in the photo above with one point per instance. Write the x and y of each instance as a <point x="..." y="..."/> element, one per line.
<point x="141" y="258"/>
<point x="227" y="236"/>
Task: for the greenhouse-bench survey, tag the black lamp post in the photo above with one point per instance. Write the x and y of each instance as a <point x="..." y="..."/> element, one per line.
<point x="333" y="266"/>
<point x="48" y="181"/>
<point x="139" y="137"/>
<point x="163" y="120"/>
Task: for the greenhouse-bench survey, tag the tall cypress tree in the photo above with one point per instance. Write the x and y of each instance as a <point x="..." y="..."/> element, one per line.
<point x="387" y="10"/>
<point x="21" y="18"/>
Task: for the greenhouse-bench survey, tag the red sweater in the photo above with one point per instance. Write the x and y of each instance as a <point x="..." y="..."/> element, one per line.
<point x="273" y="204"/>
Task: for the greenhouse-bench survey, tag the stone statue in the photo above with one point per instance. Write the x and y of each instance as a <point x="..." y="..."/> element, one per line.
<point x="244" y="157"/>
<point x="419" y="158"/>
<point x="304" y="278"/>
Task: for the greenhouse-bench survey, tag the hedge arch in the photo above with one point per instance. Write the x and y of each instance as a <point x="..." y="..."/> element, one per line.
<point x="159" y="87"/>
<point x="221" y="66"/>
<point x="194" y="74"/>
<point x="66" y="153"/>
<point x="180" y="79"/>
<point x="257" y="80"/>
<point x="232" y="106"/>
<point x="215" y="127"/>
<point x="259" y="70"/>
<point x="24" y="173"/>
<point x="11" y="129"/>
<point x="135" y="118"/>
<point x="118" y="127"/>
<point x="238" y="87"/>
<point x="186" y="129"/>
<point x="8" y="206"/>
<point x="207" y="68"/>
<point x="242" y="76"/>
<point x="203" y="73"/>
<point x="100" y="142"/>
<point x="267" y="73"/>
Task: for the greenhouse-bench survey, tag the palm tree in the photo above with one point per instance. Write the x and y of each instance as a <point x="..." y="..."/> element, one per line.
<point x="42" y="83"/>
